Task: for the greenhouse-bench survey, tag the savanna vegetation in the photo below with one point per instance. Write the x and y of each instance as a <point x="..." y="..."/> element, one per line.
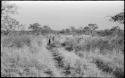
<point x="44" y="52"/>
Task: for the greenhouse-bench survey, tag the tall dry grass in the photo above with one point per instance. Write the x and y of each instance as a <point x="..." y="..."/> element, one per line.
<point x="77" y="56"/>
<point x="29" y="60"/>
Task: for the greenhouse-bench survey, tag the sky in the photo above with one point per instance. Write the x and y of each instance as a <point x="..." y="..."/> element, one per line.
<point x="64" y="14"/>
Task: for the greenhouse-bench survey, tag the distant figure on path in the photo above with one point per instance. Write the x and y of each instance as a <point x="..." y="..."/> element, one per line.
<point x="51" y="39"/>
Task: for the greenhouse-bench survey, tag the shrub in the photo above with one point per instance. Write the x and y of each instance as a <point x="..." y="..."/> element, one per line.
<point x="104" y="67"/>
<point x="119" y="73"/>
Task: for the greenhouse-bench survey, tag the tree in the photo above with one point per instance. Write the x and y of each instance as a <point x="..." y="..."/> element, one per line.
<point x="7" y="22"/>
<point x="115" y="30"/>
<point x="86" y="28"/>
<point x="118" y="18"/>
<point x="65" y="31"/>
<point x="46" y="27"/>
<point x="8" y="9"/>
<point x="92" y="28"/>
<point x="35" y="26"/>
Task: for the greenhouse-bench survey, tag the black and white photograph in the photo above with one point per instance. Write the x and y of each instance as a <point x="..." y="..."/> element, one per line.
<point x="62" y="38"/>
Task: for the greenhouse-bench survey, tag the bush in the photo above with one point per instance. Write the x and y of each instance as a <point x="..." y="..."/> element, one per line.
<point x="104" y="67"/>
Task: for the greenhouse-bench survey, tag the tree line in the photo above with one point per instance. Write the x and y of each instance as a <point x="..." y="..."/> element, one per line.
<point x="9" y="24"/>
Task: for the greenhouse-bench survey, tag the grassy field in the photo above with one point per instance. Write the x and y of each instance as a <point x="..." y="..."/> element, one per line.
<point x="27" y="55"/>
